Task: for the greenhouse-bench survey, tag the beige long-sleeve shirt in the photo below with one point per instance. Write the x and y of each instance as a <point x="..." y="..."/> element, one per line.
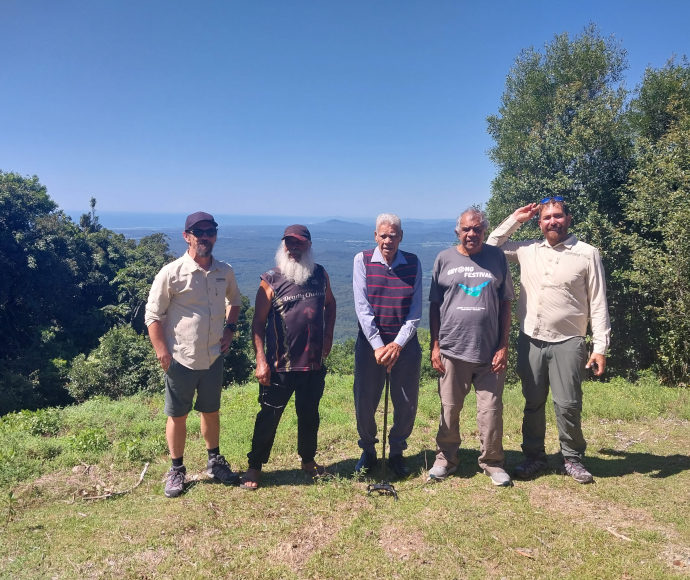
<point x="562" y="287"/>
<point x="190" y="303"/>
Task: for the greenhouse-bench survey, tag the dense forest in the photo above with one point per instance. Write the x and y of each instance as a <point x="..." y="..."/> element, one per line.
<point x="72" y="294"/>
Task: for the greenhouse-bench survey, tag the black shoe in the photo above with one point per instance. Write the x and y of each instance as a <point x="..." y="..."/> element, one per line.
<point x="397" y="464"/>
<point x="368" y="461"/>
<point x="530" y="467"/>
<point x="219" y="469"/>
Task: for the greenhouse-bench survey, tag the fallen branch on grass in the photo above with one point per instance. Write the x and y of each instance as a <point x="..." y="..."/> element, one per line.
<point x="621" y="536"/>
<point x="118" y="493"/>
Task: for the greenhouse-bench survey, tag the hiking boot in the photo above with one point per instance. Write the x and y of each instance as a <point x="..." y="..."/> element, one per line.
<point x="367" y="461"/>
<point x="498" y="476"/>
<point x="440" y="472"/>
<point x="397" y="465"/>
<point x="219" y="469"/>
<point x="577" y="471"/>
<point x="529" y="468"/>
<point x="174" y="484"/>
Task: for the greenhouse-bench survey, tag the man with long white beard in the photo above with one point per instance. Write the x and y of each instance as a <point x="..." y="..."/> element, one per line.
<point x="294" y="317"/>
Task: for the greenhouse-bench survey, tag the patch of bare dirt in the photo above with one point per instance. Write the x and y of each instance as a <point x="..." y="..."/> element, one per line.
<point x="678" y="558"/>
<point x="401" y="544"/>
<point x="301" y="544"/>
<point x="614" y="519"/>
<point x="602" y="514"/>
<point x="146" y="562"/>
<point x="82" y="481"/>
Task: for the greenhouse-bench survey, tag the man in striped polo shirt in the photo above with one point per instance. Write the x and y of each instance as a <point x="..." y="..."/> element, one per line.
<point x="387" y="285"/>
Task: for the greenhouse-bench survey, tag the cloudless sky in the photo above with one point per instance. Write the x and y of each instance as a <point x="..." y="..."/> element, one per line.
<point x="323" y="108"/>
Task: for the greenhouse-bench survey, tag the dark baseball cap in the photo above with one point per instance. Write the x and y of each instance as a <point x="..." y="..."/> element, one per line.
<point x="297" y="231"/>
<point x="198" y="216"/>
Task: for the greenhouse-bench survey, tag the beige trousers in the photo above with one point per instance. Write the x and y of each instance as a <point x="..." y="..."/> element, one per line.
<point x="453" y="387"/>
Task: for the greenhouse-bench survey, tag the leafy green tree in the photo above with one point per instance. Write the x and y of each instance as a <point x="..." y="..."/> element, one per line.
<point x="89" y="222"/>
<point x="133" y="281"/>
<point x="53" y="305"/>
<point x="658" y="212"/>
<point x="562" y="130"/>
<point x="662" y="100"/>
<point x="39" y="300"/>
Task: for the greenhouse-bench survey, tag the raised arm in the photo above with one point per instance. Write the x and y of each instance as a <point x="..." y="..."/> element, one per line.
<point x="499" y="236"/>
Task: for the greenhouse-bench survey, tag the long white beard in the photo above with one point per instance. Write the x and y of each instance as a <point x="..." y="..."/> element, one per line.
<point x="295" y="272"/>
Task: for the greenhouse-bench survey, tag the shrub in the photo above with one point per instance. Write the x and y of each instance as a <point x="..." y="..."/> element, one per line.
<point x="341" y="360"/>
<point x="90" y="440"/>
<point x="44" y="422"/>
<point x="123" y="364"/>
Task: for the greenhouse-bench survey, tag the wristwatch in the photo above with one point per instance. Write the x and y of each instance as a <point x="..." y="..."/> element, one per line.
<point x="231" y="325"/>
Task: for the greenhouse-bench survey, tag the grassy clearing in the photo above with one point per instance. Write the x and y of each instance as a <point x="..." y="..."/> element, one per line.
<point x="632" y="523"/>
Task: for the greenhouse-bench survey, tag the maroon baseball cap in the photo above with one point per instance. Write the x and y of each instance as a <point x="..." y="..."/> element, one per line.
<point x="297" y="231"/>
<point x="199" y="216"/>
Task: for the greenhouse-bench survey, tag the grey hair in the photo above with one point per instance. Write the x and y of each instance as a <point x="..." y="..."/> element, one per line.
<point x="388" y="218"/>
<point x="484" y="221"/>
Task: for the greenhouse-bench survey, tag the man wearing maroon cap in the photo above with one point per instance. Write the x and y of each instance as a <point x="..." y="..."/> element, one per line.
<point x="191" y="315"/>
<point x="294" y="317"/>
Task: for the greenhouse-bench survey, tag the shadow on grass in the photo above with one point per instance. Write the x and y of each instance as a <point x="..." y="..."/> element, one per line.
<point x="418" y="463"/>
<point x="626" y="463"/>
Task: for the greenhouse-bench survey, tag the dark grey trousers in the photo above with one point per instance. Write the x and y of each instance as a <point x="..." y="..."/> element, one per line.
<point x="561" y="366"/>
<point x="404" y="390"/>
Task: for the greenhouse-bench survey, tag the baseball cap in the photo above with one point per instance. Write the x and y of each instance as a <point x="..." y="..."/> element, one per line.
<point x="297" y="231"/>
<point x="196" y="217"/>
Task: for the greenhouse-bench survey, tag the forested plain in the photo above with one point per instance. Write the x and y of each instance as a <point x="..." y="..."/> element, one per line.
<point x="72" y="291"/>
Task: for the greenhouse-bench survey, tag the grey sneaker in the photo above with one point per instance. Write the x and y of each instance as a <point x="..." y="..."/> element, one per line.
<point x="529" y="468"/>
<point x="440" y="472"/>
<point x="498" y="476"/>
<point x="174" y="484"/>
<point x="218" y="468"/>
<point x="577" y="471"/>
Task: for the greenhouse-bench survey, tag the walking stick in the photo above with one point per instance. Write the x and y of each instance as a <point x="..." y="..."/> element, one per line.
<point x="384" y="487"/>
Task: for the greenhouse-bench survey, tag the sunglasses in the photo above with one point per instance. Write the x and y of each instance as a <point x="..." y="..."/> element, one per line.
<point x="556" y="198"/>
<point x="198" y="232"/>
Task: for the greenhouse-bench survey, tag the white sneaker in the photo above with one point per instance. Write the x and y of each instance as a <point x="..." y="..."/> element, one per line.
<point x="498" y="476"/>
<point x="440" y="472"/>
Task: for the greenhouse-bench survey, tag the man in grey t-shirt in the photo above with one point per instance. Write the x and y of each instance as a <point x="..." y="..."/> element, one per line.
<point x="469" y="318"/>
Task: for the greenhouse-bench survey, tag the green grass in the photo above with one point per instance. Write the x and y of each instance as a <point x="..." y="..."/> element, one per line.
<point x="632" y="523"/>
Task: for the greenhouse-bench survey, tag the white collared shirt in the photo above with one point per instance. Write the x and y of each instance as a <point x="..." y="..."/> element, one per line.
<point x="562" y="287"/>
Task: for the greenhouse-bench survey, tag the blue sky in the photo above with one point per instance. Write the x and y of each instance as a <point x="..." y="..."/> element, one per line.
<point x="323" y="108"/>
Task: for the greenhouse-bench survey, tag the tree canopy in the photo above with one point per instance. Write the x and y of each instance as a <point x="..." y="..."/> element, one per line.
<point x="563" y="128"/>
<point x="74" y="289"/>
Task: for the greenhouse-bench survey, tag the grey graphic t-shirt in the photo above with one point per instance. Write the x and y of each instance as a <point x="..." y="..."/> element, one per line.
<point x="469" y="290"/>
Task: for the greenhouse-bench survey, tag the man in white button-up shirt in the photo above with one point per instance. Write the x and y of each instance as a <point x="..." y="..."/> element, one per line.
<point x="562" y="289"/>
<point x="191" y="315"/>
